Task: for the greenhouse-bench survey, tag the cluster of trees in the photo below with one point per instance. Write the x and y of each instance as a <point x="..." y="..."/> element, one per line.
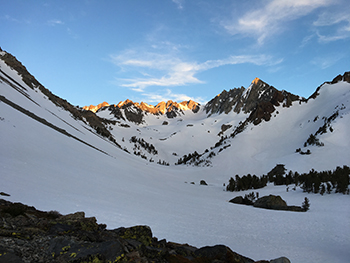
<point x="189" y="159"/>
<point x="312" y="140"/>
<point x="326" y="181"/>
<point x="322" y="182"/>
<point x="327" y="123"/>
<point x="147" y="146"/>
<point x="163" y="163"/>
<point x="313" y="181"/>
<point x="246" y="182"/>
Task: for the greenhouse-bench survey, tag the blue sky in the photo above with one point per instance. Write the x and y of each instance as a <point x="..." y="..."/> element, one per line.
<point x="93" y="51"/>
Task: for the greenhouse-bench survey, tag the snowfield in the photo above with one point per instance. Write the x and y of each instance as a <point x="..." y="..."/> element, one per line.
<point x="46" y="169"/>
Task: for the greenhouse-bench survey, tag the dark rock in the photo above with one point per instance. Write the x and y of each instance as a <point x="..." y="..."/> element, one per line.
<point x="344" y="77"/>
<point x="133" y="113"/>
<point x="237" y="200"/>
<point x="202" y="182"/>
<point x="9" y="257"/>
<point x="280" y="260"/>
<point x="224" y="128"/>
<point x="271" y="202"/>
<point x="30" y="235"/>
<point x="220" y="253"/>
<point x="225" y="102"/>
<point x="142" y="234"/>
<point x="276" y="203"/>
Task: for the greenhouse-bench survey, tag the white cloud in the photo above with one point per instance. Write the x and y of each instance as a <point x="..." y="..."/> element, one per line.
<point x="169" y="95"/>
<point x="270" y="19"/>
<point x="178" y="3"/>
<point x="338" y="22"/>
<point x="55" y="22"/>
<point x="168" y="70"/>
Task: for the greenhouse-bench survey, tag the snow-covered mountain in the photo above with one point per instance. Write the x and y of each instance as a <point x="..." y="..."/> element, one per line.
<point x="125" y="163"/>
<point x="258" y="126"/>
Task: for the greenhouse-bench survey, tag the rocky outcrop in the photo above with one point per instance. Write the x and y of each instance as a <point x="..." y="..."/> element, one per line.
<point x="134" y="111"/>
<point x="96" y="108"/>
<point x="30" y="235"/>
<point x="268" y="202"/>
<point x="259" y="99"/>
<point x="344" y="77"/>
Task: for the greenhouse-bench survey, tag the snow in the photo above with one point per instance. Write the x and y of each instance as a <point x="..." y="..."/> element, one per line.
<point x="51" y="171"/>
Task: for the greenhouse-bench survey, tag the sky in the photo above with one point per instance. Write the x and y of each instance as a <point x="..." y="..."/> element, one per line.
<point x="92" y="51"/>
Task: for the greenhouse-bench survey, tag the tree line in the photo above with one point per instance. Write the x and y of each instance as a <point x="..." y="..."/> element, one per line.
<point x="336" y="180"/>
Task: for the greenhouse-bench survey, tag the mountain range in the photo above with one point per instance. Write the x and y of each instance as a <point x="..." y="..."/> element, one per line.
<point x="140" y="162"/>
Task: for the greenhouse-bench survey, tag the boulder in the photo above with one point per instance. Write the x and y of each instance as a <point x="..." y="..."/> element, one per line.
<point x="202" y="182"/>
<point x="280" y="260"/>
<point x="237" y="200"/>
<point x="220" y="253"/>
<point x="271" y="202"/>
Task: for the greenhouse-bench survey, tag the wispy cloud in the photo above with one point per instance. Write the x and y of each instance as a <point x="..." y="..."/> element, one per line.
<point x="55" y="22"/>
<point x="168" y="70"/>
<point x="15" y="20"/>
<point x="271" y="18"/>
<point x="179" y="3"/>
<point x="339" y="23"/>
<point x="327" y="61"/>
<point x="168" y="94"/>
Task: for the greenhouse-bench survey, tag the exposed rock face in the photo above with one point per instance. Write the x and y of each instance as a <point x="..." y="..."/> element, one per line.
<point x="259" y="99"/>
<point x="134" y="111"/>
<point x="170" y="108"/>
<point x="30" y="235"/>
<point x="344" y="77"/>
<point x="96" y="108"/>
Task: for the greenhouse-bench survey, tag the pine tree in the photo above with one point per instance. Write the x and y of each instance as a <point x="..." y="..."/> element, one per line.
<point x="306" y="204"/>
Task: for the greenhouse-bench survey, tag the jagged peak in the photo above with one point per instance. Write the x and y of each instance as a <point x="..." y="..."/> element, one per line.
<point x="160" y="108"/>
<point x="96" y="108"/>
<point x="345" y="77"/>
<point x="255" y="81"/>
<point x="247" y="99"/>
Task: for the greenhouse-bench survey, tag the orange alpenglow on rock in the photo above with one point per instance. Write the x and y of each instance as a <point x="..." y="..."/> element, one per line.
<point x="96" y="108"/>
<point x="161" y="107"/>
<point x="255" y="81"/>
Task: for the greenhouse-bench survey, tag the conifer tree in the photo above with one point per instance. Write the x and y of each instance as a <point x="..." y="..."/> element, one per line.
<point x="306" y="204"/>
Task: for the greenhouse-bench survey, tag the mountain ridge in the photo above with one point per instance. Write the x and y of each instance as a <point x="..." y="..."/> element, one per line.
<point x="237" y="109"/>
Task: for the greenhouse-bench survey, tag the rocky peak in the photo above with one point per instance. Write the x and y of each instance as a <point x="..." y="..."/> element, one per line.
<point x="134" y="110"/>
<point x="162" y="107"/>
<point x="345" y="77"/>
<point x="258" y="99"/>
<point x="96" y="108"/>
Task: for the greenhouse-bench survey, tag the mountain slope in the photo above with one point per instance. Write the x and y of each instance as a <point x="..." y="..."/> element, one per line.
<point x="44" y="167"/>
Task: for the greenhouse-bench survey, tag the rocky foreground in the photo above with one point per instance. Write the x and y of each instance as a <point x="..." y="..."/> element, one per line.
<point x="30" y="235"/>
